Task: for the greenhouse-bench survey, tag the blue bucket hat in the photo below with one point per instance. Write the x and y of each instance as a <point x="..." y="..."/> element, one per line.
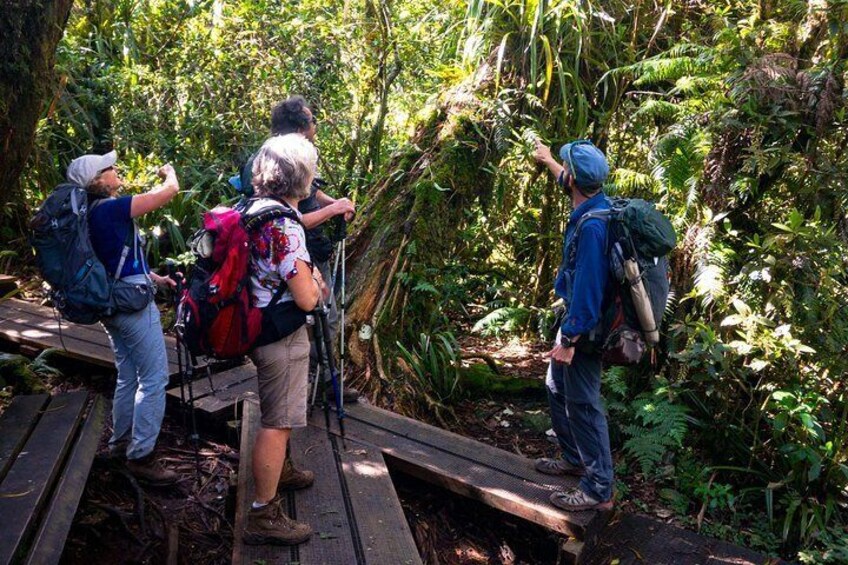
<point x="586" y="163"/>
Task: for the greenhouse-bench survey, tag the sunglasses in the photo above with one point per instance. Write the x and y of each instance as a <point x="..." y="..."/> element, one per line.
<point x="314" y="120"/>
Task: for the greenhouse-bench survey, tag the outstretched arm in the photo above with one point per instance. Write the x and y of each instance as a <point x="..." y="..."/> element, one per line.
<point x="543" y="155"/>
<point x="335" y="208"/>
<point x="158" y="196"/>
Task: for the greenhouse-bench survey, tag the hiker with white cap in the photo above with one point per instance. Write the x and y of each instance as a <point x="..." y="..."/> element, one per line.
<point x="136" y="337"/>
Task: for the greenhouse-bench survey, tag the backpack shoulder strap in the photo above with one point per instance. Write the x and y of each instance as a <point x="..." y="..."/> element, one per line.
<point x="603" y="215"/>
<point x="253" y="221"/>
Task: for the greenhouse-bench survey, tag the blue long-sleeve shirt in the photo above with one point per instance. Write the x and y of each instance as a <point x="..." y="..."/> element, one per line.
<point x="588" y="273"/>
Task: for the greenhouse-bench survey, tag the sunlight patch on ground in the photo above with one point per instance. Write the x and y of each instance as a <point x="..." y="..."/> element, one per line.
<point x="365" y="469"/>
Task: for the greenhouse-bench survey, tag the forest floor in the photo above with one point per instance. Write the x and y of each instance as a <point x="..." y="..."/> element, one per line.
<point x="120" y="522"/>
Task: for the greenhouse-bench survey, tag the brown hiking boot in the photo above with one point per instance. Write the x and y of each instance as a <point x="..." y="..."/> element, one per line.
<point x="270" y="525"/>
<point x="149" y="470"/>
<point x="294" y="479"/>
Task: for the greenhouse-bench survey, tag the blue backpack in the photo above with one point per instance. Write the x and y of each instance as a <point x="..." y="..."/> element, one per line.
<point x="80" y="287"/>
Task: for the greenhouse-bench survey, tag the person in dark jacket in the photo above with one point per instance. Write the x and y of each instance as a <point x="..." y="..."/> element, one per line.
<point x="574" y="373"/>
<point x="293" y="115"/>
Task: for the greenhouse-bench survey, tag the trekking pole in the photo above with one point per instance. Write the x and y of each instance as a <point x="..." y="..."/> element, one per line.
<point x="185" y="366"/>
<point x="320" y="374"/>
<point x="342" y="310"/>
<point x="341" y="254"/>
<point x="178" y="331"/>
<point x="334" y="375"/>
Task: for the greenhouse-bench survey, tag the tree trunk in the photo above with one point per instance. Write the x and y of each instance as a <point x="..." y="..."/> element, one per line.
<point x="30" y="29"/>
<point x="409" y="226"/>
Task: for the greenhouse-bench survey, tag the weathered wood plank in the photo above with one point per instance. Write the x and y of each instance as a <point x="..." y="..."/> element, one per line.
<point x="29" y="324"/>
<point x="29" y="481"/>
<point x="16" y="423"/>
<point x="323" y="505"/>
<point x="49" y="542"/>
<point x="221" y="382"/>
<point x="383" y="529"/>
<point x="492" y="476"/>
<point x="245" y="489"/>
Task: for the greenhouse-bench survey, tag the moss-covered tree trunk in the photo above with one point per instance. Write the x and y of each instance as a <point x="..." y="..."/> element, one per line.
<point x="409" y="226"/>
<point x="30" y="31"/>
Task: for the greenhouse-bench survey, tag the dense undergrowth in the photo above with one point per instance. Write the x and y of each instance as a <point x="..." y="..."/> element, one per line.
<point x="730" y="115"/>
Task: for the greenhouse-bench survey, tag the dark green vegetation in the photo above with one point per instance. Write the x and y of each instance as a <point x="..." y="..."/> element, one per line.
<point x="731" y="115"/>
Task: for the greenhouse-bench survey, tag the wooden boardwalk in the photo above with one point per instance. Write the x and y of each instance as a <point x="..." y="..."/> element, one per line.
<point x="376" y="440"/>
<point x="353" y="507"/>
<point x="38" y="327"/>
<point x="47" y="445"/>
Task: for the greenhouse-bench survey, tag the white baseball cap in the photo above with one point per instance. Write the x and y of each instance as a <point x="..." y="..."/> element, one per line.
<point x="85" y="169"/>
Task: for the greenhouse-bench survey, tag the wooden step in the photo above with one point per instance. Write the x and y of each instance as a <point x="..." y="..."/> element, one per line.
<point x="16" y="424"/>
<point x="352" y="507"/>
<point x="29" y="324"/>
<point x="49" y="541"/>
<point x="219" y="399"/>
<point x="495" y="477"/>
<point x="26" y="488"/>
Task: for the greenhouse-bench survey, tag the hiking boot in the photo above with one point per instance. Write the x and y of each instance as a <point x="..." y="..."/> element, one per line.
<point x="118" y="450"/>
<point x="270" y="525"/>
<point x="292" y="478"/>
<point x="575" y="499"/>
<point x="558" y="467"/>
<point x="148" y="469"/>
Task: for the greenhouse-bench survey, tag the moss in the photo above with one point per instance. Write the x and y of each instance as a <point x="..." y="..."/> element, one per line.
<point x="479" y="380"/>
<point x="15" y="371"/>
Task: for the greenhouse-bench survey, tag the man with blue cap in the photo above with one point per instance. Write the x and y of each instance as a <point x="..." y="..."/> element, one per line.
<point x="574" y="373"/>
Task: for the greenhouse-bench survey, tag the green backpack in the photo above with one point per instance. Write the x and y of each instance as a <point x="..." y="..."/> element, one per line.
<point x="639" y="239"/>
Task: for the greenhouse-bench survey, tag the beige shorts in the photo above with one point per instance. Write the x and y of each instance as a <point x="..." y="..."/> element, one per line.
<point x="283" y="371"/>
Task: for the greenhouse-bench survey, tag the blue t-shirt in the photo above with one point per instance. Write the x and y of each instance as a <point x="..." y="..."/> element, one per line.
<point x="109" y="226"/>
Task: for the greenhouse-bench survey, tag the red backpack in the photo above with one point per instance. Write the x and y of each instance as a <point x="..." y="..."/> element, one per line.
<point x="216" y="315"/>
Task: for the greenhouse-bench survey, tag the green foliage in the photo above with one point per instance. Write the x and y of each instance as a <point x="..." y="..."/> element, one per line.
<point x="434" y="363"/>
<point x="731" y="116"/>
<point x="658" y="426"/>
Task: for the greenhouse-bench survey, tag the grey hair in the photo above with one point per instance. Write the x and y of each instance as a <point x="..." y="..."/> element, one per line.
<point x="96" y="187"/>
<point x="285" y="167"/>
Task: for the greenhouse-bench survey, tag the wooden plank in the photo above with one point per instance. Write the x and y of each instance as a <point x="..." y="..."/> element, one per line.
<point x="44" y="318"/>
<point x="220" y="381"/>
<point x="29" y="481"/>
<point x="33" y="325"/>
<point x="249" y="427"/>
<point x="470" y="472"/>
<point x="224" y="404"/>
<point x="49" y="542"/>
<point x="455" y="444"/>
<point x="323" y="505"/>
<point x="242" y="553"/>
<point x="383" y="529"/>
<point x="26" y="332"/>
<point x="16" y="423"/>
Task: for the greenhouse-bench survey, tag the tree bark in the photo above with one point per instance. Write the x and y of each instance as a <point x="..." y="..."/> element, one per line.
<point x="31" y="30"/>
<point x="409" y="226"/>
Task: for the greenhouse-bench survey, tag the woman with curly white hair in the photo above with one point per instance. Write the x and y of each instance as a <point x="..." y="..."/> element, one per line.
<point x="285" y="285"/>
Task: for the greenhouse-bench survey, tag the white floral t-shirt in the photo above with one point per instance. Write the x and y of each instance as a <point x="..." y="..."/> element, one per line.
<point x="274" y="248"/>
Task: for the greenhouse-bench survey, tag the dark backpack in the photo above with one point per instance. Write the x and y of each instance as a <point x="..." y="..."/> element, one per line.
<point x="639" y="239"/>
<point x="216" y="315"/>
<point x="80" y="287"/>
